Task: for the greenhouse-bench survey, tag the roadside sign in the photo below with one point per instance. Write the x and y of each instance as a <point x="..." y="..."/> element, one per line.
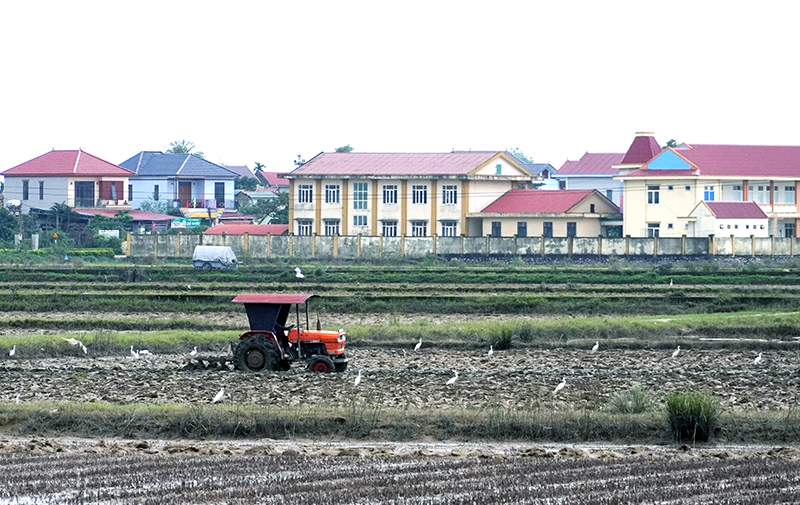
<point x="183" y="222"/>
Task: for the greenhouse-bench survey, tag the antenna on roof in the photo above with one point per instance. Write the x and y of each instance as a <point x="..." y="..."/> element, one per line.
<point x="299" y="162"/>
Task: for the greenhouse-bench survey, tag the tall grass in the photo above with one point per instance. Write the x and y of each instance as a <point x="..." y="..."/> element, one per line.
<point x="692" y="417"/>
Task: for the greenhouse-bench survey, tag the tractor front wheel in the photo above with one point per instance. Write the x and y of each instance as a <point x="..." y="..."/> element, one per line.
<point x="321" y="364"/>
<point x="256" y="353"/>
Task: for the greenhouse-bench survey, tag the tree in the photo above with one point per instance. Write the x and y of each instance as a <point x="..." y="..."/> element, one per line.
<point x="344" y="149"/>
<point x="248" y="183"/>
<point x="274" y="210"/>
<point x="9" y="225"/>
<point x="518" y="154"/>
<point x="183" y="147"/>
<point x="63" y="215"/>
<point x="159" y="207"/>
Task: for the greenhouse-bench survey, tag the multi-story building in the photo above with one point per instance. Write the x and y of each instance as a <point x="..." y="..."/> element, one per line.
<point x="400" y="194"/>
<point x="660" y="195"/>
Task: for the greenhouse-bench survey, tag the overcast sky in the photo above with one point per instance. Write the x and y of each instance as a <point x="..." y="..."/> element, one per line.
<point x="266" y="81"/>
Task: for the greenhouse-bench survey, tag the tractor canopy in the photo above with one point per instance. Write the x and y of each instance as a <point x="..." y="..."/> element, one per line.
<point x="266" y="309"/>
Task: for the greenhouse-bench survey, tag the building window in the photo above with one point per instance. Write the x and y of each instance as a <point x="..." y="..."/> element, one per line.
<point x="591" y="208"/>
<point x="359" y="220"/>
<point x="497" y="229"/>
<point x="522" y="229"/>
<point x="305" y="193"/>
<point x="360" y="196"/>
<point x="547" y="229"/>
<point x="155" y="192"/>
<point x="449" y="228"/>
<point x="669" y="226"/>
<point x="25" y="190"/>
<point x="669" y="188"/>
<point x="41" y="190"/>
<point x="304" y="227"/>
<point x="419" y="194"/>
<point x="788" y="230"/>
<point x="708" y="193"/>
<point x="390" y="194"/>
<point x="737" y="193"/>
<point x="331" y="227"/>
<point x="331" y="193"/>
<point x="450" y="194"/>
<point x="419" y="228"/>
<point x="652" y="229"/>
<point x="562" y="184"/>
<point x="687" y="188"/>
<point x="761" y="195"/>
<point x="219" y="195"/>
<point x="130" y="191"/>
<point x="498" y="169"/>
<point x="609" y="194"/>
<point x="653" y="195"/>
<point x="572" y="229"/>
<point x="788" y="194"/>
<point x="389" y="229"/>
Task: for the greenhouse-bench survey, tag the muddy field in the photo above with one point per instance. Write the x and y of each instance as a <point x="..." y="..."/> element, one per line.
<point x="148" y="473"/>
<point x="403" y="378"/>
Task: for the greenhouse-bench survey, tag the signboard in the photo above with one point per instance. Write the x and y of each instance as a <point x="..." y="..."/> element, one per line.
<point x="109" y="233"/>
<point x="183" y="222"/>
<point x="199" y="213"/>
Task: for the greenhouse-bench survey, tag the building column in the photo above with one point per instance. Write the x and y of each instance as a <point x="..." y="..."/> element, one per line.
<point x="345" y="206"/>
<point x="434" y="208"/>
<point x="373" y="226"/>
<point x="772" y="196"/>
<point x="291" y="207"/>
<point x="318" y="207"/>
<point x="745" y="190"/>
<point x="403" y="208"/>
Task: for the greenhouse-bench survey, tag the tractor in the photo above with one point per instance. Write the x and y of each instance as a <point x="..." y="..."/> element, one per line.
<point x="273" y="345"/>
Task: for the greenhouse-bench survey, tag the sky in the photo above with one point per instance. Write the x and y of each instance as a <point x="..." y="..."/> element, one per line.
<point x="265" y="81"/>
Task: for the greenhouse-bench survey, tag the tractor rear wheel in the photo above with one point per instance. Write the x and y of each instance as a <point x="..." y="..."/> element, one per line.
<point x="321" y="364"/>
<point x="257" y="353"/>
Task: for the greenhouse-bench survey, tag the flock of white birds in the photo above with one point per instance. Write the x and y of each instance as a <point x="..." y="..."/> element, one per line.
<point x="138" y="353"/>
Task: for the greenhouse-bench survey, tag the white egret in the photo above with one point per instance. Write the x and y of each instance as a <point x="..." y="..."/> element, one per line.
<point x="358" y="379"/>
<point x="560" y="386"/>
<point x="219" y="395"/>
<point x="134" y="354"/>
<point x="491" y="350"/>
<point x="670" y="282"/>
<point x="299" y="273"/>
<point x="13" y="350"/>
<point x="144" y="352"/>
<point x="757" y="360"/>
<point x="419" y="344"/>
<point x="194" y="352"/>
<point x="596" y="346"/>
<point x="17" y="397"/>
<point x="83" y="348"/>
<point x="452" y="380"/>
<point x="676" y="352"/>
<point x="72" y="341"/>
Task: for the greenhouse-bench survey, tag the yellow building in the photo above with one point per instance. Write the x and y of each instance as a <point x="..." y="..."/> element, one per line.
<point x="399" y="194"/>
<point x="659" y="197"/>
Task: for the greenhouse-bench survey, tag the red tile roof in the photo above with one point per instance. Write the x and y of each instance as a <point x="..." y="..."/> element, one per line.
<point x="252" y="229"/>
<point x="734" y="161"/>
<point x="536" y="201"/>
<point x="276" y="178"/>
<point x="592" y="164"/>
<point x="454" y="163"/>
<point x="137" y="215"/>
<point x="736" y="210"/>
<point x="67" y="163"/>
<point x="643" y="149"/>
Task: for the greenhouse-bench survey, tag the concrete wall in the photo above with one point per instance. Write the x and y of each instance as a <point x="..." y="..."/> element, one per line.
<point x="372" y="247"/>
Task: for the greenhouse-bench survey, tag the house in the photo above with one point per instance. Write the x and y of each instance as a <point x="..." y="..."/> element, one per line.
<point x="251" y="229"/>
<point x="565" y="213"/>
<point x="73" y="177"/>
<point x="184" y="180"/>
<point x="660" y="195"/>
<point x="241" y="171"/>
<point x="597" y="170"/>
<point x="545" y="172"/>
<point x="738" y="219"/>
<point x="141" y="221"/>
<point x="399" y="194"/>
<point x="244" y="197"/>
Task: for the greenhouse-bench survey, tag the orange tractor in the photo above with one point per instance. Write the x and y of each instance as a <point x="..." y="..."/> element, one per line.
<point x="271" y="344"/>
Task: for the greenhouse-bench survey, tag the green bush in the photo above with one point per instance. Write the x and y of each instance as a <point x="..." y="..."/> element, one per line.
<point x="636" y="401"/>
<point x="692" y="417"/>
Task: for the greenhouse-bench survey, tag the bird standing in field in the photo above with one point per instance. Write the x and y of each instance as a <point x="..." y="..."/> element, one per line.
<point x="757" y="360"/>
<point x="194" y="352"/>
<point x="491" y="350"/>
<point x="134" y="354"/>
<point x="596" y="346"/>
<point x="452" y="380"/>
<point x="13" y="351"/>
<point x="560" y="386"/>
<point x="219" y="395"/>
<point x="299" y="273"/>
<point x="144" y="352"/>
<point x="72" y="341"/>
<point x="676" y="352"/>
<point x="670" y="282"/>
<point x="419" y="344"/>
<point x="358" y="379"/>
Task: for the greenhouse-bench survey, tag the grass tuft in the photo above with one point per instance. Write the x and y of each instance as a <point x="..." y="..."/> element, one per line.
<point x="692" y="417"/>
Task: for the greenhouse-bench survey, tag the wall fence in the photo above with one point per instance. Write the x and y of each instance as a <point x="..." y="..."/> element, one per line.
<point x="369" y="247"/>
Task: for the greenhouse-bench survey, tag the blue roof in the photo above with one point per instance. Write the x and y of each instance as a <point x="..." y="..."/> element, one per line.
<point x="158" y="164"/>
